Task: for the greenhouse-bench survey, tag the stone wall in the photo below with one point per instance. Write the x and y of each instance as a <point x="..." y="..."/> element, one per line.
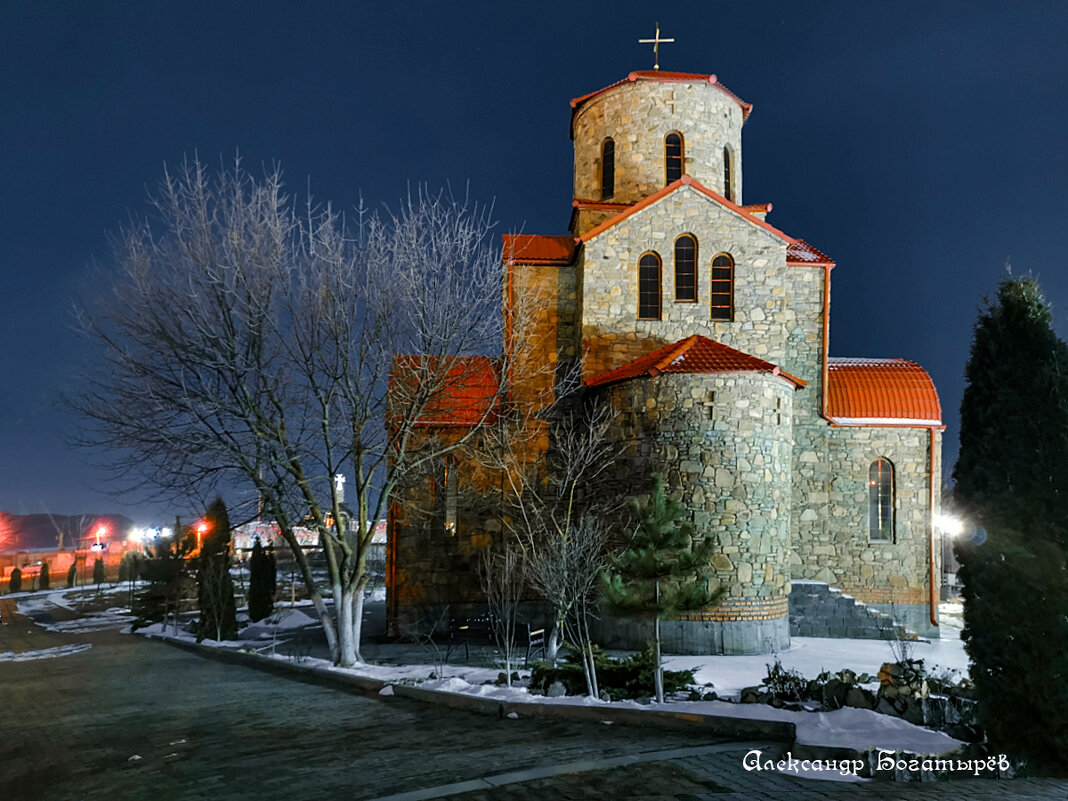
<point x="430" y="572"/>
<point x="544" y="300"/>
<point x="723" y="444"/>
<point x="778" y="310"/>
<point x="831" y="496"/>
<point x="637" y="116"/>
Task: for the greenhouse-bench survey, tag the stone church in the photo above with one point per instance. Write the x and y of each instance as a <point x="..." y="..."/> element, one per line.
<point x="707" y="330"/>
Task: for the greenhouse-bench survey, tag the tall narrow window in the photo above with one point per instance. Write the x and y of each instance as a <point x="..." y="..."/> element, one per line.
<point x="649" y="287"/>
<point x="881" y="501"/>
<point x="444" y="489"/>
<point x="608" y="169"/>
<point x="686" y="269"/>
<point x="722" y="288"/>
<point x="673" y="156"/>
<point x="728" y="186"/>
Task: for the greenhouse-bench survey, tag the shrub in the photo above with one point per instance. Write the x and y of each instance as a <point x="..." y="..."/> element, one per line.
<point x="44" y="580"/>
<point x="16" y="580"/>
<point x="632" y="677"/>
<point x="99" y="571"/>
<point x="72" y="575"/>
<point x="789" y="685"/>
<point x="261" y="583"/>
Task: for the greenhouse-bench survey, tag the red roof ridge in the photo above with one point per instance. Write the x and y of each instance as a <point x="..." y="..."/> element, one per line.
<point x="679" y="350"/>
<point x="800" y="252"/>
<point x="685" y="180"/>
<point x="763" y="207"/>
<point x="583" y="203"/>
<point x="538" y="249"/>
<point x="695" y="355"/>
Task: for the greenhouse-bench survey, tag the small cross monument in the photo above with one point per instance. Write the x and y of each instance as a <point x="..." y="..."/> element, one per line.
<point x="656" y="41"/>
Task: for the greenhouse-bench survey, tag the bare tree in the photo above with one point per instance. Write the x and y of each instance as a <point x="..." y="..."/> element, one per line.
<point x="558" y="510"/>
<point x="501" y="575"/>
<point x="250" y="343"/>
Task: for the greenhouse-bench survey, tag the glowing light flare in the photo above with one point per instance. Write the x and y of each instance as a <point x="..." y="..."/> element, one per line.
<point x="950" y="525"/>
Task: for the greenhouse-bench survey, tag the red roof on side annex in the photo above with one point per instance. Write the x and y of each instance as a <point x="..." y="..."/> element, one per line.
<point x="886" y="392"/>
<point x="695" y="354"/>
<point x="537" y="249"/>
<point x="466" y="389"/>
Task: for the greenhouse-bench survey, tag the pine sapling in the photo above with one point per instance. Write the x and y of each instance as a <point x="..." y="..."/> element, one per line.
<point x="663" y="572"/>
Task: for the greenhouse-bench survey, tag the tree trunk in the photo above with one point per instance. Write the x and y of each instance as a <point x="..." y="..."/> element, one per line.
<point x="357" y="621"/>
<point x="344" y="607"/>
<point x="659" y="675"/>
<point x="552" y="647"/>
<point x="328" y="626"/>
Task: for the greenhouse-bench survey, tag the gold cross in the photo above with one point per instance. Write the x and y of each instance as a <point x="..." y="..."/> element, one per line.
<point x="656" y="41"/>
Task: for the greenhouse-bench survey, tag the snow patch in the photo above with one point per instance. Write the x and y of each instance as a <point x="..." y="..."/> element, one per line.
<point x="47" y="653"/>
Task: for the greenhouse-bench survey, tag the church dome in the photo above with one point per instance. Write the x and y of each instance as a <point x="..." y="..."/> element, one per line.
<point x="639" y="134"/>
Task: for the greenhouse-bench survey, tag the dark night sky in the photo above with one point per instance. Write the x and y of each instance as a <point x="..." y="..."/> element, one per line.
<point x="920" y="145"/>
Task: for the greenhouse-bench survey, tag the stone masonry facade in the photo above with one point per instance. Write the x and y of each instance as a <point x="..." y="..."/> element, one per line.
<point x="769" y="444"/>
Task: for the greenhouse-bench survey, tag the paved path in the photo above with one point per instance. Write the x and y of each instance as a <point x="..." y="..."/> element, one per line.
<point x="133" y="719"/>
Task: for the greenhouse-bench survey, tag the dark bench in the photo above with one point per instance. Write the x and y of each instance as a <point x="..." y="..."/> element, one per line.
<point x="479" y="631"/>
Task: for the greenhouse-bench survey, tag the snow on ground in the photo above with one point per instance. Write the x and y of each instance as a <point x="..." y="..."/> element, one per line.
<point x="113" y="618"/>
<point x="47" y="653"/>
<point x="810" y="656"/>
<point x="284" y="620"/>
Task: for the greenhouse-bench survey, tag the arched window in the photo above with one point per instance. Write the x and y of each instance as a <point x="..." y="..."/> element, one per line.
<point x="444" y="489"/>
<point x="722" y="288"/>
<point x="686" y="269"/>
<point x="608" y="169"/>
<point x="673" y="156"/>
<point x="649" y="287"/>
<point x="881" y="501"/>
<point x="728" y="186"/>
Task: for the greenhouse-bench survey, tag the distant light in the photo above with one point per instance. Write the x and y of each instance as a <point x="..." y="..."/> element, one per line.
<point x="947" y="524"/>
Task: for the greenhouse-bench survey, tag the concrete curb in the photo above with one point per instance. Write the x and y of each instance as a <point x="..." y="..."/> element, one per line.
<point x="714" y="725"/>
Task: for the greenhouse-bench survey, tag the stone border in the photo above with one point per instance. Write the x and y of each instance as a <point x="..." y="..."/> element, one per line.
<point x="716" y="725"/>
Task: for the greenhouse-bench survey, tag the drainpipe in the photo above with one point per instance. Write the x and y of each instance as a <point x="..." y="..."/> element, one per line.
<point x="826" y="337"/>
<point x="931" y="530"/>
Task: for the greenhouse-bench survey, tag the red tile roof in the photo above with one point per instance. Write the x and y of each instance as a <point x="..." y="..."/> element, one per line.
<point x="801" y="252"/>
<point x="662" y="75"/>
<point x="880" y="392"/>
<point x="685" y="180"/>
<point x="467" y="389"/>
<point x="534" y="249"/>
<point x="695" y="354"/>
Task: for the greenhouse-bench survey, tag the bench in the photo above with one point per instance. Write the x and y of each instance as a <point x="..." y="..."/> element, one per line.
<point x="479" y="631"/>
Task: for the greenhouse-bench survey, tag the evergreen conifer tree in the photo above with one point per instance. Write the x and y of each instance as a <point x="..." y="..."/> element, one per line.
<point x="43" y="579"/>
<point x="1012" y="484"/>
<point x="215" y="587"/>
<point x="99" y="573"/>
<point x="260" y="584"/>
<point x="664" y="570"/>
<point x="72" y="574"/>
<point x="16" y="580"/>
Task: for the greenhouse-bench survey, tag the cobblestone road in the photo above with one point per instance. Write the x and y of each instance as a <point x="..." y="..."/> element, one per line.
<point x="135" y="719"/>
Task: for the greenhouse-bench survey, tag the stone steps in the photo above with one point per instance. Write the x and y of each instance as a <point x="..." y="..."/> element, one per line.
<point x="819" y="610"/>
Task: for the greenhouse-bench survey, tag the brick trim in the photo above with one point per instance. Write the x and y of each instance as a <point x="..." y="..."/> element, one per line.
<point x="887" y="595"/>
<point x="734" y="609"/>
